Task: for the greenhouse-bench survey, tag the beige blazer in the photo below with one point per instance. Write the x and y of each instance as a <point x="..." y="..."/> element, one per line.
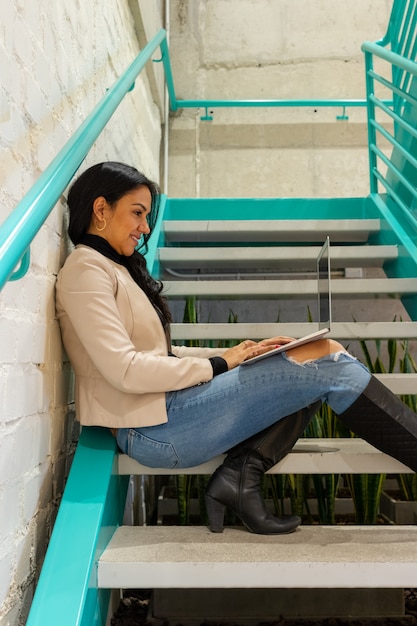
<point x="117" y="346"/>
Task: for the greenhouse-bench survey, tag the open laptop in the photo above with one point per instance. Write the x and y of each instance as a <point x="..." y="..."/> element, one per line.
<point x="323" y="307"/>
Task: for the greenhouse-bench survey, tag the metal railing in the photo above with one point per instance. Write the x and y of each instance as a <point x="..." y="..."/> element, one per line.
<point x="393" y="151"/>
<point x="206" y="104"/>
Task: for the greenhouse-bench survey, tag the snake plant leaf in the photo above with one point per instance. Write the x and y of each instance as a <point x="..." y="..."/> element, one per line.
<point x="374" y="487"/>
<point x="392" y="354"/>
<point x="367" y="355"/>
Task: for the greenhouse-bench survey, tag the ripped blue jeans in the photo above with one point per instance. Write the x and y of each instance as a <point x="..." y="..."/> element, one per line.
<point x="208" y="419"/>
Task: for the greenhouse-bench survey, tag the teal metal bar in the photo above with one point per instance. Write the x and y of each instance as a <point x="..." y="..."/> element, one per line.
<point x="151" y="256"/>
<point x="396" y="144"/>
<point x="369" y="80"/>
<point x="393" y="23"/>
<point x="23" y="267"/>
<point x="90" y="511"/>
<point x="194" y="104"/>
<point x="402" y="95"/>
<point x="168" y="75"/>
<point x="396" y="118"/>
<point x="19" y="229"/>
<point x="396" y="225"/>
<point x="400" y="177"/>
<point x="403" y="28"/>
<point x="404" y="208"/>
<point x="390" y="57"/>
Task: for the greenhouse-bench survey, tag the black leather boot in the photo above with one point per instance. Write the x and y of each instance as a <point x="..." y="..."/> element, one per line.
<point x="380" y="418"/>
<point x="236" y="483"/>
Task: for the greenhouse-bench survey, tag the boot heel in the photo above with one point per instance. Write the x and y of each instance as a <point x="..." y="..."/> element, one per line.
<point x="215" y="512"/>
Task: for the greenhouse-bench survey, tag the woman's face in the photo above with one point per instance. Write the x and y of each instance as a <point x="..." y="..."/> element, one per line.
<point x="125" y="221"/>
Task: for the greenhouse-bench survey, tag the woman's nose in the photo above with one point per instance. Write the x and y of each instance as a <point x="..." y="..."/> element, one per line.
<point x="144" y="227"/>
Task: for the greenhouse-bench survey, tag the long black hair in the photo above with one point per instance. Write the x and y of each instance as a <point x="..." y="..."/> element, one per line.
<point x="113" y="180"/>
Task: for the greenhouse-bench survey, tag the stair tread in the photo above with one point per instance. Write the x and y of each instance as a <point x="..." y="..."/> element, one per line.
<point x="278" y="289"/>
<point x="193" y="557"/>
<point x="258" y="256"/>
<point x="270" y="230"/>
<point x="259" y="330"/>
<point x="309" y="456"/>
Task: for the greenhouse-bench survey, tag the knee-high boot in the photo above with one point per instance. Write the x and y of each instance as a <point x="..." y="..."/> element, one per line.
<point x="236" y="483"/>
<point x="380" y="418"/>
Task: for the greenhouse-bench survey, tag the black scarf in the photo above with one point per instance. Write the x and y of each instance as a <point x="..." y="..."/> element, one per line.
<point x="102" y="245"/>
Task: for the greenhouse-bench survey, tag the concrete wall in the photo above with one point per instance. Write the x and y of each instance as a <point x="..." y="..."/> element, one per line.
<point x="265" y="49"/>
<point x="56" y="62"/>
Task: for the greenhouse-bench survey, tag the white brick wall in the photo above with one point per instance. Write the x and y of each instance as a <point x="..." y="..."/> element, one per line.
<point x="56" y="62"/>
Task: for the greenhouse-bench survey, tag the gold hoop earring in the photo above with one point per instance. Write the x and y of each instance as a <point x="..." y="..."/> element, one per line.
<point x="103" y="227"/>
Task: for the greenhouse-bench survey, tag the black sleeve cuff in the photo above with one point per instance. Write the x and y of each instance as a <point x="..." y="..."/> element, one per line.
<point x="218" y="364"/>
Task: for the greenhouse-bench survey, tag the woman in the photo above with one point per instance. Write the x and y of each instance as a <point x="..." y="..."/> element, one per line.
<point x="177" y="407"/>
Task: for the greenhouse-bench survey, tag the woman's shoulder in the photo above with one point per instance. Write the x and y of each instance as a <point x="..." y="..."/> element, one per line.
<point x="84" y="263"/>
<point x="82" y="255"/>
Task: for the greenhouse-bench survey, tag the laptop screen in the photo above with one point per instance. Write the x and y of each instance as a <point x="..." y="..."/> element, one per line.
<point x="323" y="277"/>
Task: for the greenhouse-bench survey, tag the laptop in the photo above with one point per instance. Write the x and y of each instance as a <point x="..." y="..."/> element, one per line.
<point x="323" y="307"/>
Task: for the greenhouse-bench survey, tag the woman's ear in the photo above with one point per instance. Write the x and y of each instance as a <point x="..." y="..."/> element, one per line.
<point x="99" y="207"/>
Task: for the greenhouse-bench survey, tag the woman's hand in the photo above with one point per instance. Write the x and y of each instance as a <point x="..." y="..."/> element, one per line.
<point x="246" y="350"/>
<point x="276" y="341"/>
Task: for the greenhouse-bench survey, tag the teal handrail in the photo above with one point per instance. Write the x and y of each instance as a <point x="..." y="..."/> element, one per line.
<point x="313" y="103"/>
<point x="21" y="226"/>
<point x="391" y="57"/>
<point x="340" y="102"/>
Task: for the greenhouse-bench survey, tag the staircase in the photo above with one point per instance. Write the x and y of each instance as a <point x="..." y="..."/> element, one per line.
<point x="261" y="252"/>
<point x="249" y="251"/>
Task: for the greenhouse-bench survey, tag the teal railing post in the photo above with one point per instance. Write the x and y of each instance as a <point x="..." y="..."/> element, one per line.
<point x="373" y="181"/>
<point x="168" y="75"/>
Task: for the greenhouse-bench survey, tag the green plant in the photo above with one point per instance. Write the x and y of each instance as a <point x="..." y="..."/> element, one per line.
<point x="183" y="484"/>
<point x="325" y="425"/>
<point x="408" y="486"/>
<point x="366" y="491"/>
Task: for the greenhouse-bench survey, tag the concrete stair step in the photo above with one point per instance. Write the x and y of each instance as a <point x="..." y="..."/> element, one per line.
<point x="277" y="258"/>
<point x="147" y="557"/>
<point x="309" y="456"/>
<point x="342" y="230"/>
<point x="340" y="330"/>
<point x="294" y="289"/>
